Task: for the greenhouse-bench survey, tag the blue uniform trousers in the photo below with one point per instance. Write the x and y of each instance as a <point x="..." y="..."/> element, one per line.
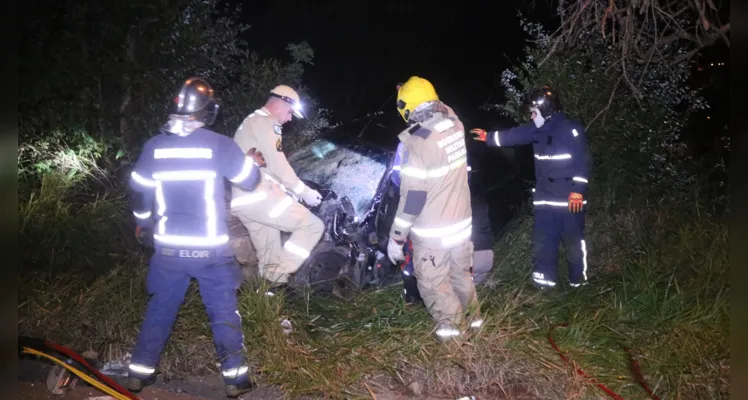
<point x="554" y="225"/>
<point x="168" y="279"/>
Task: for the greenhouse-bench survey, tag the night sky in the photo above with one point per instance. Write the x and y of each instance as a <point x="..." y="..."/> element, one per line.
<point x="364" y="48"/>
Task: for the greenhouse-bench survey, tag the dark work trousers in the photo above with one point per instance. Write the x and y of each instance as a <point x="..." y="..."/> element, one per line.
<point x="218" y="277"/>
<point x="554" y="225"/>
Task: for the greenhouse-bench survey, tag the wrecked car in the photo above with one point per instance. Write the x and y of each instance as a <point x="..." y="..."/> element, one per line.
<point x="358" y="209"/>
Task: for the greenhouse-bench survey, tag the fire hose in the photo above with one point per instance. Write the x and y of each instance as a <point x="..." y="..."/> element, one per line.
<point x="37" y="347"/>
<point x="635" y="369"/>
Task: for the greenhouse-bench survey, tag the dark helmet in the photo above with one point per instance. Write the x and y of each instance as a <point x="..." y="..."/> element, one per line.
<point x="196" y="101"/>
<point x="546" y="100"/>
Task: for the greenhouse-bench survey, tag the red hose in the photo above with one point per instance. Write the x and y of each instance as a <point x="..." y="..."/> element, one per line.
<point x="79" y="359"/>
<point x="634" y="367"/>
<point x="638" y="376"/>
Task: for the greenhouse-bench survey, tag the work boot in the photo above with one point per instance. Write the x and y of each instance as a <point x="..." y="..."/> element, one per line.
<point x="475" y="321"/>
<point x="234" y="391"/>
<point x="136" y="384"/>
<point x="541" y="282"/>
<point x="411" y="295"/>
<point x="275" y="289"/>
<point x="285" y="288"/>
<point x="446" y="331"/>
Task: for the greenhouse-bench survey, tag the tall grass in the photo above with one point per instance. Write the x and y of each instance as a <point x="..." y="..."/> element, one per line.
<point x="69" y="222"/>
<point x="658" y="286"/>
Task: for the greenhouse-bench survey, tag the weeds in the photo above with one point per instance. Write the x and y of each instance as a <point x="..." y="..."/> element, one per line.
<point x="63" y="223"/>
<point x="658" y="285"/>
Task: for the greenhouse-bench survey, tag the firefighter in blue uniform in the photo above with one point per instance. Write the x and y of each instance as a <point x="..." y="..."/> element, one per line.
<point x="562" y="168"/>
<point x="178" y="202"/>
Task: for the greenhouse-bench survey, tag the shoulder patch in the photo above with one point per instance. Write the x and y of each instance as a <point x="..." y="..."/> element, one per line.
<point x="420" y="131"/>
<point x="278" y="145"/>
<point x="277" y="129"/>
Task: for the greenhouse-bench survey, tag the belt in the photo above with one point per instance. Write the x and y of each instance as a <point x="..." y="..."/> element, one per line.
<point x="566" y="178"/>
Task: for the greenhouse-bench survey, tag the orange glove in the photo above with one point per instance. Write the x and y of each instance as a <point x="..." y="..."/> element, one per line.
<point x="576" y="202"/>
<point x="480" y="134"/>
<point x="144" y="236"/>
<point x="257" y="156"/>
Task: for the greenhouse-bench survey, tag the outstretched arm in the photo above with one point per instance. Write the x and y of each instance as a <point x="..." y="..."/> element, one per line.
<point x="516" y="136"/>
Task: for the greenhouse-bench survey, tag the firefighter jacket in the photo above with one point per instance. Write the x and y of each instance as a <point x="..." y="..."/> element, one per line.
<point x="397" y="165"/>
<point x="183" y="177"/>
<point x="398" y="160"/>
<point x="263" y="132"/>
<point x="563" y="162"/>
<point x="434" y="205"/>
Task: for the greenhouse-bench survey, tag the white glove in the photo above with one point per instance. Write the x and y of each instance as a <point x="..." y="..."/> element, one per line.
<point x="311" y="197"/>
<point x="395" y="251"/>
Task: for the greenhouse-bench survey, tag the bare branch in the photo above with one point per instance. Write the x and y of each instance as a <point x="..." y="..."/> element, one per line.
<point x="607" y="107"/>
<point x="627" y="22"/>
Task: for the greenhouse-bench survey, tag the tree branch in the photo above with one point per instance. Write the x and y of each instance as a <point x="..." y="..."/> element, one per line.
<point x="607" y="107"/>
<point x="633" y="21"/>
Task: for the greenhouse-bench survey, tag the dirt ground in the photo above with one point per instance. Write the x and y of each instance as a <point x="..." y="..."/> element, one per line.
<point x="32" y="375"/>
<point x="38" y="391"/>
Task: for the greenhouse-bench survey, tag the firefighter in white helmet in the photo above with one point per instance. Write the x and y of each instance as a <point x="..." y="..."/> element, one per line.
<point x="434" y="208"/>
<point x="270" y="210"/>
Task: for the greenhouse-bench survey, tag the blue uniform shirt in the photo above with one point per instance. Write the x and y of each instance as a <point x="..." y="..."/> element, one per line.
<point x="563" y="162"/>
<point x="179" y="187"/>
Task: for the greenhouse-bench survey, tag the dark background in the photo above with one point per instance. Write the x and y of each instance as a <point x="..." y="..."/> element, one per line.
<point x="363" y="49"/>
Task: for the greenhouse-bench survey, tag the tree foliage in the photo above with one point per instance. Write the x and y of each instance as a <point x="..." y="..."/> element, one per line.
<point x="105" y="74"/>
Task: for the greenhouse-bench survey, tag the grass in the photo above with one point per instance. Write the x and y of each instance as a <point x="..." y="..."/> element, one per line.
<point x="69" y="221"/>
<point x="659" y="286"/>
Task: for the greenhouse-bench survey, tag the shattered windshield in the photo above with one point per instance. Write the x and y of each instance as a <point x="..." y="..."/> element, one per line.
<point x="349" y="168"/>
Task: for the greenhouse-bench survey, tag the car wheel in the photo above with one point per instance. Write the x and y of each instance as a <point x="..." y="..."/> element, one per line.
<point x="321" y="270"/>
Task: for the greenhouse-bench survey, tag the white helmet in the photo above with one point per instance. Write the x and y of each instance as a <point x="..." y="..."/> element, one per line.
<point x="290" y="96"/>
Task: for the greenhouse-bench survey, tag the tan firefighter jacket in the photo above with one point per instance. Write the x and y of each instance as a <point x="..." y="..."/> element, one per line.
<point x="434" y="205"/>
<point x="263" y="132"/>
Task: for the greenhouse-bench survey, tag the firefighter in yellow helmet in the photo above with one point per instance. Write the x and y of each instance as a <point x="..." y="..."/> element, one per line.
<point x="434" y="208"/>
<point x="271" y="208"/>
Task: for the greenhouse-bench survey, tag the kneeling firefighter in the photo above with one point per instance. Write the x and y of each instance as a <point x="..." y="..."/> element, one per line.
<point x="182" y="170"/>
<point x="270" y="210"/>
<point x="434" y="208"/>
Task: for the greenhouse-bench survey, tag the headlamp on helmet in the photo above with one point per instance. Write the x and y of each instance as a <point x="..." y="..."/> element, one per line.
<point x="546" y="100"/>
<point x="289" y="96"/>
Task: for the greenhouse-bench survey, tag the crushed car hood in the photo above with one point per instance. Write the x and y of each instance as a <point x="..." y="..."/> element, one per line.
<point x="350" y="167"/>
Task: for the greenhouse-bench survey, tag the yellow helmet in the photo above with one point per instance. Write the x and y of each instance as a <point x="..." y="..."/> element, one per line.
<point x="412" y="94"/>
